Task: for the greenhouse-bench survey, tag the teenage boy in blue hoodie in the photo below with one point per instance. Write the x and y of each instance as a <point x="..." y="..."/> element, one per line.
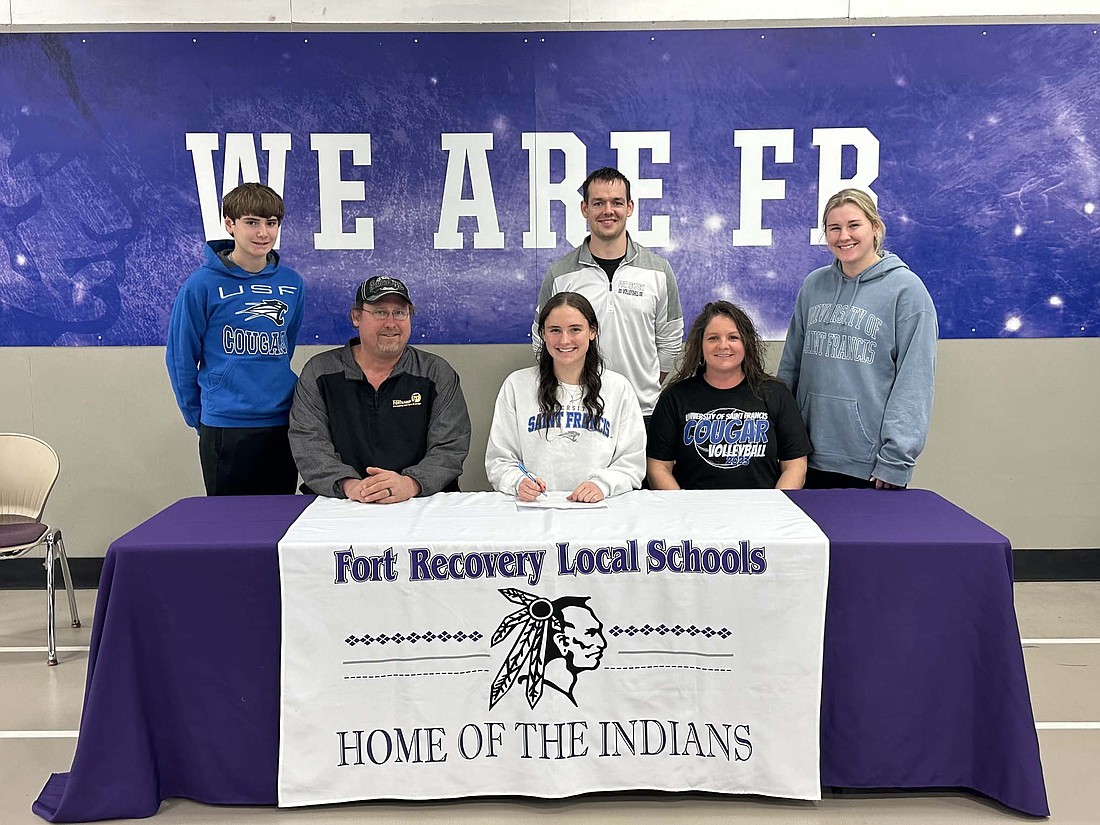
<point x="230" y="340"/>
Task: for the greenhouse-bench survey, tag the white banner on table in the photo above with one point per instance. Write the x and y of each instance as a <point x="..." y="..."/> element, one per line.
<point x="458" y="646"/>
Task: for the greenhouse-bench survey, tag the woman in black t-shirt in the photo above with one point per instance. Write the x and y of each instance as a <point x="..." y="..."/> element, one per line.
<point x="723" y="422"/>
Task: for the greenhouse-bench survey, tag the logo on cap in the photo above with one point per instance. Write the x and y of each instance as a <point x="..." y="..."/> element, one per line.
<point x="374" y="288"/>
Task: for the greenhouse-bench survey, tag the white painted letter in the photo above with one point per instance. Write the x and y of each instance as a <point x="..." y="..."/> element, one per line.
<point x="241" y="166"/>
<point x="538" y="146"/>
<point x="829" y="181"/>
<point x="755" y="189"/>
<point x="202" y="146"/>
<point x="277" y="146"/>
<point x="468" y="150"/>
<point x="333" y="192"/>
<point x="629" y="146"/>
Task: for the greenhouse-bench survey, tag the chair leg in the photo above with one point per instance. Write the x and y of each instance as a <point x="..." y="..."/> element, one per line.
<point x="51" y="640"/>
<point x="69" y="589"/>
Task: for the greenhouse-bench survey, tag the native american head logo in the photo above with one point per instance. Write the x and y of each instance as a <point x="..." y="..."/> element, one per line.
<point x="558" y="640"/>
<point x="270" y="308"/>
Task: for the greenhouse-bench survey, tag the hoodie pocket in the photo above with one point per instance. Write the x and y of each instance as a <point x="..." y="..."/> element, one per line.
<point x="214" y="380"/>
<point x="218" y="390"/>
<point x="836" y="428"/>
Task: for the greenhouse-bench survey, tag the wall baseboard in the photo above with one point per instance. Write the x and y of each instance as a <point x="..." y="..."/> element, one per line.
<point x="1056" y="565"/>
<point x="1028" y="566"/>
<point x="30" y="574"/>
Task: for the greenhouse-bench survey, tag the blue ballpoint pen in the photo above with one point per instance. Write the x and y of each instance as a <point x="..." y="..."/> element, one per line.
<point x="527" y="473"/>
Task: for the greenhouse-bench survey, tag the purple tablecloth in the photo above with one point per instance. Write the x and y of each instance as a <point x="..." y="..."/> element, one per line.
<point x="923" y="682"/>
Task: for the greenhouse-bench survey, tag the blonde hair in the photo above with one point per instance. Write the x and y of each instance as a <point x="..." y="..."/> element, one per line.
<point x="862" y="201"/>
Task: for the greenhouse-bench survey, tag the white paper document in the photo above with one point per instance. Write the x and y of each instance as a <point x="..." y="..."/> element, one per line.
<point x="556" y="500"/>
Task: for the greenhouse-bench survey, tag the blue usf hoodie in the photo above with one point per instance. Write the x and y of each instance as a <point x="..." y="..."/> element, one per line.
<point x="230" y="339"/>
<point x="860" y="358"/>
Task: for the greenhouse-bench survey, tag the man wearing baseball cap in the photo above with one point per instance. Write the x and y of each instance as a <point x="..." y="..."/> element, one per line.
<point x="376" y="420"/>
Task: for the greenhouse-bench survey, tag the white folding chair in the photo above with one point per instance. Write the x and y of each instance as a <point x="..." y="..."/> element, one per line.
<point x="28" y="470"/>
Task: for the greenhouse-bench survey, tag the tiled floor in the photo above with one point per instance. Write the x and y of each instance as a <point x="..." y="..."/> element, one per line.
<point x="40" y="712"/>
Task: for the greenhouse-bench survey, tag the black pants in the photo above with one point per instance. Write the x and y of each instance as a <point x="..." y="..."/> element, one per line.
<point x="824" y="480"/>
<point x="246" y="461"/>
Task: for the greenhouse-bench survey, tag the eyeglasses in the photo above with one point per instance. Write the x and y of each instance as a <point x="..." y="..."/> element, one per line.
<point x="383" y="314"/>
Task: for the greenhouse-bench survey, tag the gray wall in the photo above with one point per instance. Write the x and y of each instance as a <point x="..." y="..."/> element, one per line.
<point x="1013" y="437"/>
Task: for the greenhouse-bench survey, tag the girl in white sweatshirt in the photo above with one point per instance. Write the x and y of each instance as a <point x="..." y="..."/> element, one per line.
<point x="572" y="425"/>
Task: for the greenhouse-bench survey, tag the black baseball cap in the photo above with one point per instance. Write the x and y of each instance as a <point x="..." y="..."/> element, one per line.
<point x="378" y="286"/>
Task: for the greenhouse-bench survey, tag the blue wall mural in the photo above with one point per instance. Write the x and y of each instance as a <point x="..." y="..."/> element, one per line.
<point x="452" y="160"/>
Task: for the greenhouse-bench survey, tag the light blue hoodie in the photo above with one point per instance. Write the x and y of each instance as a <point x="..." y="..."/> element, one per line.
<point x="860" y="358"/>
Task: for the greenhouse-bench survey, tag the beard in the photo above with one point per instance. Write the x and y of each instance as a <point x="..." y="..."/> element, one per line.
<point x="390" y="346"/>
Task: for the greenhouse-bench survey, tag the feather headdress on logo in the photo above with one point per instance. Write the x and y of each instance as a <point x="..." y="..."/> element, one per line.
<point x="528" y="654"/>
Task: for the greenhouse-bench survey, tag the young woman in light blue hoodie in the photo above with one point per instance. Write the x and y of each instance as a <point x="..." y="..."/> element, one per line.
<point x="860" y="355"/>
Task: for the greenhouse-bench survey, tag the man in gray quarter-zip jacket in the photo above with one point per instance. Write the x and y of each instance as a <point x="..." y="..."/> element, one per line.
<point x="632" y="289"/>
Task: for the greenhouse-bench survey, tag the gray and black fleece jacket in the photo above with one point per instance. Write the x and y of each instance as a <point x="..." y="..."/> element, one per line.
<point x="415" y="423"/>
